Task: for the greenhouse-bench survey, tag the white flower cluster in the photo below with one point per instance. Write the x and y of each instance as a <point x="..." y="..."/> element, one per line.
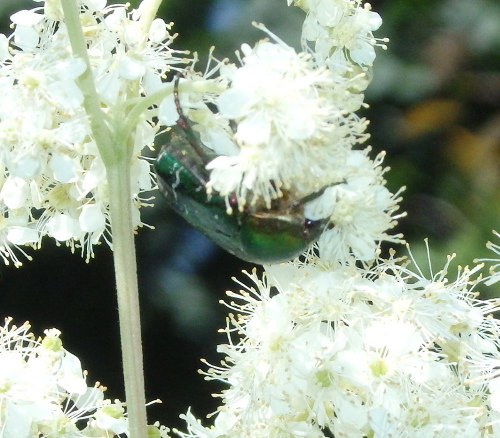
<point x="316" y="350"/>
<point x="43" y="392"/>
<point x="53" y="180"/>
<point x="342" y="32"/>
<point x="323" y="346"/>
<point x="286" y="125"/>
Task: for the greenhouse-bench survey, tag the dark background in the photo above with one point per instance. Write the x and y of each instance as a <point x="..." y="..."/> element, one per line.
<point x="434" y="107"/>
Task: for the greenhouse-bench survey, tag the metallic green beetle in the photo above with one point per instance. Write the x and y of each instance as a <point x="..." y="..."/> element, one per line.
<point x="257" y="235"/>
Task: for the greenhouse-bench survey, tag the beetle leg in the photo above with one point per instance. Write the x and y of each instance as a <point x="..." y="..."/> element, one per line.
<point x="183" y="123"/>
<point x="311" y="197"/>
<point x="233" y="125"/>
<point x="177" y="149"/>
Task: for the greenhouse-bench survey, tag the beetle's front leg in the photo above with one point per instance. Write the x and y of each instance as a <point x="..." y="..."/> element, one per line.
<point x="183" y="123"/>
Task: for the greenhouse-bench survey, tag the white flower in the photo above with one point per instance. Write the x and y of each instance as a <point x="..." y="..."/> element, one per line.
<point x="35" y="377"/>
<point x="43" y="391"/>
<point x="494" y="276"/>
<point x="357" y="352"/>
<point x="272" y="91"/>
<point x="52" y="173"/>
<point x="360" y="210"/>
<point x="110" y="417"/>
<point x="278" y="102"/>
<point x="342" y="33"/>
<point x="25" y="35"/>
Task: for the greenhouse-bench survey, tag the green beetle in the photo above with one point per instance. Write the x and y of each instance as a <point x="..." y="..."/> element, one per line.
<point x="257" y="235"/>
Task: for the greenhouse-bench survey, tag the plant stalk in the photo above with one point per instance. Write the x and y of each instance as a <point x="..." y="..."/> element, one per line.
<point x="116" y="158"/>
<point x="125" y="263"/>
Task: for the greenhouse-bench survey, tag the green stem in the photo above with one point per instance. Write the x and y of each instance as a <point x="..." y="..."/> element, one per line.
<point x="120" y="209"/>
<point x="141" y="106"/>
<point x="116" y="158"/>
<point x="91" y="103"/>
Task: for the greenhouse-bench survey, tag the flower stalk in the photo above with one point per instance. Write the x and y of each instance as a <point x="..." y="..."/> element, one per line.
<point x="125" y="264"/>
<point x="96" y="116"/>
<point x="116" y="158"/>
